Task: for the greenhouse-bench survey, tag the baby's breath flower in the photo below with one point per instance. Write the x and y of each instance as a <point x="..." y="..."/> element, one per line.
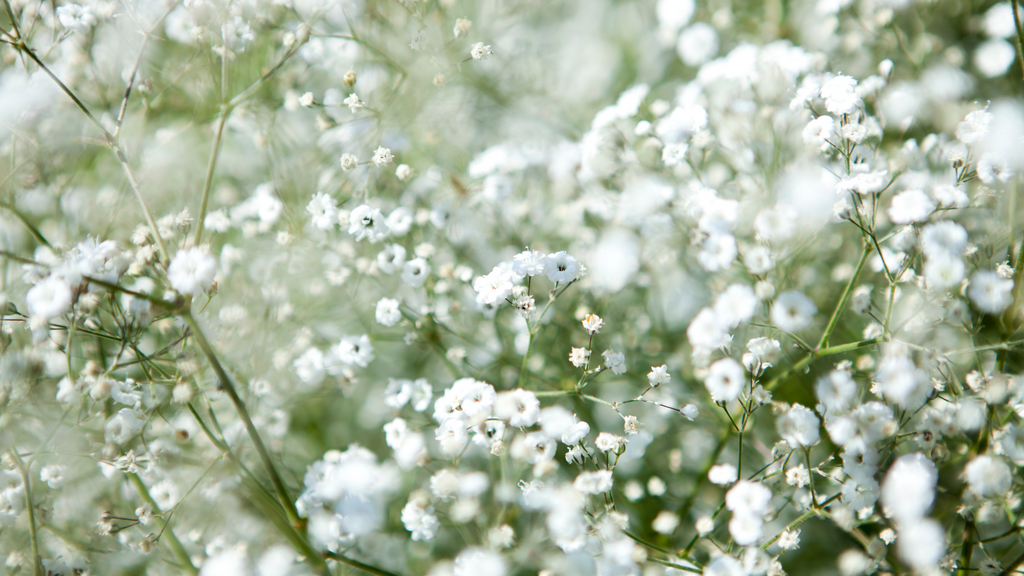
<point x="592" y="323"/>
<point x="479" y="51"/>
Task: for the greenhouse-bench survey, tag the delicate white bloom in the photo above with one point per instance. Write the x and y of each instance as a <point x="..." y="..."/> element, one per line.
<point x="50" y="298"/>
<point x="452" y="436"/>
<point x="323" y="211"/>
<point x="836" y="391"/>
<point x="367" y="222"/>
<point x="420" y="521"/>
<point x="864" y="183"/>
<point x="910" y="206"/>
<point x="792" y="311"/>
<point x="462" y="26"/>
<point x="76" y="17"/>
<point x="519" y="407"/>
<point x="575" y="434"/>
<point x="736" y="305"/>
<point x="789" y="540"/>
<point x="415" y="272"/>
<point x="718" y="252"/>
<point x="993" y="57"/>
<point x="722" y="474"/>
<point x="479" y="562"/>
<point x="658" y="375"/>
<point x="597" y="482"/>
<point x="382" y="157"/>
<point x="479" y="51"/>
<point x="974" y="127"/>
<point x="631" y="424"/>
<point x="493" y="287"/>
<point x="909" y="488"/>
<point x="944" y="271"/>
<point x="665" y="522"/>
<point x="53" y="475"/>
<point x="529" y="263"/>
<point x="403" y="172"/>
<point x="192" y="271"/>
<point x="387" y="312"/>
<point x="799" y="427"/>
<point x="697" y="44"/>
<point x="354" y="350"/>
<point x="921" y="544"/>
<point x="988" y="477"/>
<point x="819" y="131"/>
<point x="579" y="357"/>
<point x="681" y="123"/>
<point x="840" y="94"/>
<point x="758" y="260"/>
<point x="690" y="411"/>
<point x="592" y="323"/>
<point x="354" y="103"/>
<point x="561" y="267"/>
<point x="615" y="361"/>
<point x="309" y="367"/>
<point x="725" y="380"/>
<point x="942" y="238"/>
<point x="228" y="562"/>
<point x="989" y="292"/>
<point x="391" y="258"/>
<point x="306" y="100"/>
<point x="607" y="442"/>
<point x="348" y="161"/>
<point x="798" y="476"/>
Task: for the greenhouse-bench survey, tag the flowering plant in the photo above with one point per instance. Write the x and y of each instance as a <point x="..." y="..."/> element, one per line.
<point x="484" y="288"/>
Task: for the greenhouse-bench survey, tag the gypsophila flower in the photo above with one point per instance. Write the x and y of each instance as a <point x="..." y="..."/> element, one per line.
<point x="722" y="474"/>
<point x="354" y="103"/>
<point x="615" y="361"/>
<point x="579" y="357"/>
<point x="307" y="100"/>
<point x="479" y="51"/>
<point x="592" y="323"/>
<point x="367" y="222"/>
<point x="403" y="172"/>
<point x="348" y="162"/>
<point x="840" y="94"/>
<point x="631" y="424"/>
<point x="462" y="27"/>
<point x="725" y="380"/>
<point x="989" y="292"/>
<point x="658" y="375"/>
<point x="415" y="272"/>
<point x="789" y="540"/>
<point x="192" y="271"/>
<point x="607" y="442"/>
<point x="798" y="476"/>
<point x="382" y="157"/>
<point x="561" y="267"/>
<point x="597" y="482"/>
<point x="388" y="312"/>
<point x="323" y="211"/>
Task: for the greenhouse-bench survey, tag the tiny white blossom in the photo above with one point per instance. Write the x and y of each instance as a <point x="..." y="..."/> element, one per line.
<point x="387" y="312"/>
<point x="592" y="323"/>
<point x="579" y="357"/>
<point x="382" y="157"/>
<point x="479" y="51"/>
<point x="192" y="271"/>
<point x="462" y="27"/>
<point x="658" y="375"/>
<point x="323" y="211"/>
<point x="353" y="102"/>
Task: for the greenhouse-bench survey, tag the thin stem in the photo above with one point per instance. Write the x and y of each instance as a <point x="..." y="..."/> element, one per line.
<point x="243" y="413"/>
<point x="37" y="561"/>
<point x="214" y="153"/>
<point x="172" y="540"/>
<point x="359" y="565"/>
<point x="823" y="342"/>
<point x="1020" y="35"/>
<point x="800" y="520"/>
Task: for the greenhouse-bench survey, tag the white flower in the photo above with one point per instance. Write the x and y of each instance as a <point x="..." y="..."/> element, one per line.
<point x="479" y="51"/>
<point x="529" y="263"/>
<point x="415" y="272"/>
<point x="192" y="271"/>
<point x="615" y="361"/>
<point x="452" y="436"/>
<point x="354" y="350"/>
<point x="419" y="40"/>
<point x="579" y="357"/>
<point x="309" y="367"/>
<point x="789" y="540"/>
<point x="909" y="488"/>
<point x="597" y="482"/>
<point x="819" y="131"/>
<point x="462" y="26"/>
<point x="921" y="544"/>
<point x="367" y="222"/>
<point x="403" y="172"/>
<point x="989" y="292"/>
<point x="53" y="475"/>
<point x="736" y="305"/>
<point x="993" y="57"/>
<point x="348" y="162"/>
<point x="420" y="521"/>
<point x="840" y="94"/>
<point x="799" y="427"/>
<point x="974" y="127"/>
<point x="76" y="17"/>
<point x="988" y="477"/>
<point x="718" y="252"/>
<point x="575" y="434"/>
<point x="493" y="287"/>
<point x="323" y="211"/>
<point x="391" y="258"/>
<point x="792" y="311"/>
<point x="519" y="407"/>
<point x="48" y="299"/>
<point x="658" y="375"/>
<point x="943" y="238"/>
<point x="382" y="157"/>
<point x="910" y="206"/>
<point x="607" y="442"/>
<point x="354" y="103"/>
<point x="725" y="380"/>
<point x="748" y="498"/>
<point x="307" y="100"/>
<point x="479" y="562"/>
<point x="631" y="424"/>
<point x="592" y="323"/>
<point x="665" y="522"/>
<point x="561" y="268"/>
<point x="722" y="474"/>
<point x="697" y="44"/>
<point x="387" y="312"/>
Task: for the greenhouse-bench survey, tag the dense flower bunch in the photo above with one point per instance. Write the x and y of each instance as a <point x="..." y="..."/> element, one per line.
<point x="490" y="288"/>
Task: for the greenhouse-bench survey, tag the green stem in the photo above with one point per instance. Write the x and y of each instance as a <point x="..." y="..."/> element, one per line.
<point x="214" y="153"/>
<point x="359" y="565"/>
<point x="1020" y="35"/>
<point x="243" y="413"/>
<point x="529" y="347"/>
<point x="172" y="540"/>
<point x="823" y="342"/>
<point x="723" y="439"/>
<point x="806" y="360"/>
<point x="800" y="520"/>
<point x="37" y="561"/>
